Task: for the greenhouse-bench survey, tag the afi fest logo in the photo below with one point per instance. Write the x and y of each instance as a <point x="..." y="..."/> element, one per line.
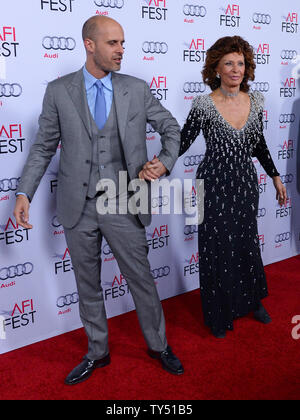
<point x="231" y="16"/>
<point x="155" y="10"/>
<point x="22" y="315"/>
<point x="195" y="52"/>
<point x="296" y="329"/>
<point x="11" y="234"/>
<point x="289" y="88"/>
<point x="119" y="288"/>
<point x="159" y="238"/>
<point x="8" y="42"/>
<point x="11" y="138"/>
<point x="158" y="87"/>
<point x="290" y="24"/>
<point x="286" y="150"/>
<point x="262" y="54"/>
<point x="64" y="265"/>
<point x="57" y="5"/>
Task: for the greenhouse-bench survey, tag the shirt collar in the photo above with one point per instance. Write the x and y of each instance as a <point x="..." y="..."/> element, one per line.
<point x="90" y="80"/>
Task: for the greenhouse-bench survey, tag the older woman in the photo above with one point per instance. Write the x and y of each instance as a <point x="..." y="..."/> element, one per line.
<point x="232" y="277"/>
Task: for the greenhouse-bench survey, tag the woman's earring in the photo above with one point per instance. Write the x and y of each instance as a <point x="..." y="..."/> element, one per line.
<point x="218" y="76"/>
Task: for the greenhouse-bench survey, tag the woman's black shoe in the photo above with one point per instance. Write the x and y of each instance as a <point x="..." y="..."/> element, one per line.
<point x="261" y="315"/>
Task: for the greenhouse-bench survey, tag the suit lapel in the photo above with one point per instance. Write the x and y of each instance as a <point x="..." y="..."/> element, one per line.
<point x="77" y="92"/>
<point x="122" y="100"/>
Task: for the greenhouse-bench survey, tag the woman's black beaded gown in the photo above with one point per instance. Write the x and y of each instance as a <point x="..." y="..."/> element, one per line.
<point x="232" y="277"/>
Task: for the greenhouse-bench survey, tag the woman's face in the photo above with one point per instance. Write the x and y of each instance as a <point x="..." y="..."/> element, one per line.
<point x="231" y="69"/>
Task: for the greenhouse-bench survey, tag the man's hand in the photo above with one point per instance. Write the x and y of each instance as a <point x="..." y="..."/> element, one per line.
<point x="153" y="170"/>
<point x="21" y="211"/>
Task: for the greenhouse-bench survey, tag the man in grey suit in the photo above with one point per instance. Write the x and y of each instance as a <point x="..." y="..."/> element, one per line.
<point x="100" y="118"/>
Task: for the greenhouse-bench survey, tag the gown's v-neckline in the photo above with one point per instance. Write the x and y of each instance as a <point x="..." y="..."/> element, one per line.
<point x="228" y="123"/>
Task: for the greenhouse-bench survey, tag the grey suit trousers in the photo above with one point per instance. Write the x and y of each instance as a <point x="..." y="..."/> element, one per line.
<point x="126" y="237"/>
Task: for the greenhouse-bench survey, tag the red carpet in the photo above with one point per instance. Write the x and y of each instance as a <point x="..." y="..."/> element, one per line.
<point x="253" y="362"/>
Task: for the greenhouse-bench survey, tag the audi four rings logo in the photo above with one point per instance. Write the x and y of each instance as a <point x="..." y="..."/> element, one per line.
<point x="59" y="43"/>
<point x="193" y="160"/>
<point x="261" y="86"/>
<point x="155" y="47"/>
<point x="282" y="237"/>
<point x="190" y="229"/>
<point x="194" y="87"/>
<point x="191" y="10"/>
<point x="16" y="271"/>
<point x="114" y="4"/>
<point x="262" y="18"/>
<point x="106" y="250"/>
<point x="8" y="90"/>
<point x="67" y="300"/>
<point x="150" y="129"/>
<point x="287" y="118"/>
<point x="287" y="179"/>
<point x="9" y="184"/>
<point x="261" y="212"/>
<point x="161" y="272"/>
<point x="288" y="54"/>
<point x="55" y="222"/>
<point x="160" y="201"/>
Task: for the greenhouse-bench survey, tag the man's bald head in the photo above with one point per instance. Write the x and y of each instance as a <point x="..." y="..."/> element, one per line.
<point x="93" y="26"/>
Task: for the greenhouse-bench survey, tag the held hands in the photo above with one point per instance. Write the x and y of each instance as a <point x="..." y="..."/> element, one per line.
<point x="281" y="194"/>
<point x="152" y="170"/>
<point x="21" y="211"/>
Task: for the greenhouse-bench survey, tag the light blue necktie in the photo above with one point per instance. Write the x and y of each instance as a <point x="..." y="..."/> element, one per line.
<point x="100" y="106"/>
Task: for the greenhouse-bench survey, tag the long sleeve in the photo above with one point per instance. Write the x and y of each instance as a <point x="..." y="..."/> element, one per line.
<point x="167" y="126"/>
<point x="261" y="150"/>
<point x="192" y="126"/>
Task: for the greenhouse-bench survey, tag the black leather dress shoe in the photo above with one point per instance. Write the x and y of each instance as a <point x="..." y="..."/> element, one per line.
<point x="262" y="315"/>
<point x="168" y="360"/>
<point x="83" y="371"/>
<point x="219" y="333"/>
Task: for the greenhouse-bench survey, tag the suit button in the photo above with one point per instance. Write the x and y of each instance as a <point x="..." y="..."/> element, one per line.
<point x="87" y="161"/>
<point x="85" y="184"/>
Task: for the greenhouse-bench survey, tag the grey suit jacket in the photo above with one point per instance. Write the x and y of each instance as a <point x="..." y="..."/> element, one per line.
<point x="65" y="117"/>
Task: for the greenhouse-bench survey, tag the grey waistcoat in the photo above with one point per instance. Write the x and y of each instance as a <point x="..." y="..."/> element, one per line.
<point x="108" y="155"/>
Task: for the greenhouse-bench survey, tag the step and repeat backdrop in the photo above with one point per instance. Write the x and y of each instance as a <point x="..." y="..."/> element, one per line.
<point x="166" y="44"/>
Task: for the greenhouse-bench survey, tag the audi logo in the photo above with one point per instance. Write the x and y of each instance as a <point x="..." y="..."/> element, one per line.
<point x="288" y="54"/>
<point x="287" y="118"/>
<point x="59" y="43"/>
<point x="262" y="18"/>
<point x="55" y="222"/>
<point x="260" y="86"/>
<point x="114" y="4"/>
<point x="106" y="250"/>
<point x="150" y="129"/>
<point x="287" y="179"/>
<point x="67" y="300"/>
<point x="190" y="229"/>
<point x="9" y="184"/>
<point x="261" y="212"/>
<point x="155" y="47"/>
<point x="160" y="201"/>
<point x="282" y="237"/>
<point x="8" y="90"/>
<point x="191" y="10"/>
<point x="194" y="87"/>
<point x="16" y="271"/>
<point x="161" y="272"/>
<point x="193" y="160"/>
